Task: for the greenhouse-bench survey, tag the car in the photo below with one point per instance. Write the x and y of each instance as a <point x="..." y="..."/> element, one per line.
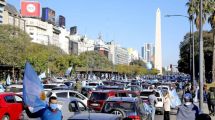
<point x="59" y="79"/>
<point x="103" y="87"/>
<point x="11" y="106"/>
<point x="134" y="88"/>
<point x="86" y="91"/>
<point x="95" y="116"/>
<point x="163" y="87"/>
<point x="97" y="98"/>
<point x="67" y="94"/>
<point x="159" y="106"/>
<point x="94" y="84"/>
<point x="126" y="107"/>
<point x="16" y="88"/>
<point x="49" y="87"/>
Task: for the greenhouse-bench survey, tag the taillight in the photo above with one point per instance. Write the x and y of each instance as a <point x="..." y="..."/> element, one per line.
<point x="134" y="117"/>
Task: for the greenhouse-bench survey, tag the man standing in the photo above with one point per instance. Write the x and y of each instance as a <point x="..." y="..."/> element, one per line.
<point x="211" y="100"/>
<point x="152" y="102"/>
<point x="50" y="112"/>
<point x="188" y="111"/>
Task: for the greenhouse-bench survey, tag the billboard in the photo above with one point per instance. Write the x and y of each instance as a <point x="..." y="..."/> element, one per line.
<point x="73" y="30"/>
<point x="30" y="9"/>
<point x="48" y="15"/>
<point x="62" y="21"/>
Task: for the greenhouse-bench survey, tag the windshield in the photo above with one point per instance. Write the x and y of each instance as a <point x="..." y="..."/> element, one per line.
<point x="98" y="96"/>
<point x="149" y="93"/>
<point x="93" y="84"/>
<point x="127" y="106"/>
<point x="14" y="89"/>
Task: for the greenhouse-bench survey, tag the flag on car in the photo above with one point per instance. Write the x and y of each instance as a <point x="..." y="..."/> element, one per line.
<point x="32" y="89"/>
<point x="42" y="75"/>
<point x="8" y="80"/>
<point x="68" y="71"/>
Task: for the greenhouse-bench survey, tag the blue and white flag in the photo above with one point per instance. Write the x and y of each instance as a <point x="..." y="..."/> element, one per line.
<point x="42" y="75"/>
<point x="8" y="80"/>
<point x="32" y="89"/>
<point x="68" y="71"/>
<point x="174" y="99"/>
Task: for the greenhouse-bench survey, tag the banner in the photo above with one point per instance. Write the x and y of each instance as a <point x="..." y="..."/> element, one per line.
<point x="32" y="89"/>
<point x="30" y="9"/>
<point x="42" y="75"/>
<point x="68" y="71"/>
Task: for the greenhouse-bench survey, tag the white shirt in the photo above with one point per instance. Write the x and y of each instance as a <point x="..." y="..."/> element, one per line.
<point x="166" y="104"/>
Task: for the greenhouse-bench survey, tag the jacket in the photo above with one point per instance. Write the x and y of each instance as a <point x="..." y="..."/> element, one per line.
<point x="187" y="112"/>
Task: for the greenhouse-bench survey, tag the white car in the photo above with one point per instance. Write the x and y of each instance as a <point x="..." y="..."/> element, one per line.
<point x="163" y="87"/>
<point x="49" y="87"/>
<point x="16" y="88"/>
<point x="159" y="105"/>
<point x="59" y="79"/>
<point x="94" y="84"/>
<point x="67" y="94"/>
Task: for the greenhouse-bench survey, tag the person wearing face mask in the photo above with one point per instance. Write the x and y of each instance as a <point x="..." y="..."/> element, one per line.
<point x="50" y="112"/>
<point x="188" y="111"/>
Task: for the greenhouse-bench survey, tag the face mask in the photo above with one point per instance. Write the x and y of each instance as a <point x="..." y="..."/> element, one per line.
<point x="188" y="103"/>
<point x="53" y="106"/>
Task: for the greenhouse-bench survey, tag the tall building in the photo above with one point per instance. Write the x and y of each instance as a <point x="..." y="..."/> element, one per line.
<point x="133" y="54"/>
<point x="148" y="52"/>
<point x="2" y="4"/>
<point x="158" y="48"/>
<point x="12" y="17"/>
<point x="117" y="54"/>
<point x="101" y="47"/>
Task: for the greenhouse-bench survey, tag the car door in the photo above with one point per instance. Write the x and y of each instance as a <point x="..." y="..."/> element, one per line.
<point x="19" y="106"/>
<point x="11" y="110"/>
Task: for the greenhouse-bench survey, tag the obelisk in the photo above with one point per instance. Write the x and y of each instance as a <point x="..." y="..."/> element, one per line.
<point x="158" y="52"/>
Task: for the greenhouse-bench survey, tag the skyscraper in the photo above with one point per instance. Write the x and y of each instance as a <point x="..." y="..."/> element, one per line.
<point x="158" y="56"/>
<point x="148" y="52"/>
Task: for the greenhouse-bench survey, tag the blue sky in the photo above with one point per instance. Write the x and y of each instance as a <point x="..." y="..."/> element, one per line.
<point x="130" y="23"/>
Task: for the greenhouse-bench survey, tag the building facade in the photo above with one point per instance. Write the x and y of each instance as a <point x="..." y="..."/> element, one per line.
<point x="12" y="17"/>
<point x="148" y="52"/>
<point x="133" y="55"/>
<point x="117" y="54"/>
<point x="2" y="5"/>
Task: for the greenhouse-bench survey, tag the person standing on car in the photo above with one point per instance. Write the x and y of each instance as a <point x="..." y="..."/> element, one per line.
<point x="166" y="105"/>
<point x="152" y="102"/>
<point x="188" y="111"/>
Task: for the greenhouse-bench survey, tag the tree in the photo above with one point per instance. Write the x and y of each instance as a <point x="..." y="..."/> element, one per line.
<point x="138" y="62"/>
<point x="183" y="63"/>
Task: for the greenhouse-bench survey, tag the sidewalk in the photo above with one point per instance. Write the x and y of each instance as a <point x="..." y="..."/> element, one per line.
<point x="205" y="109"/>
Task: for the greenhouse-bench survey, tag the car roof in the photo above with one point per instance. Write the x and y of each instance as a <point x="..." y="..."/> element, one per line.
<point x="7" y="93"/>
<point x="94" y="116"/>
<point x="127" y="99"/>
<point x="64" y="91"/>
<point x="15" y="85"/>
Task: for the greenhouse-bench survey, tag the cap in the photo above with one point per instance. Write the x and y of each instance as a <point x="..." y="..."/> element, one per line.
<point x="187" y="96"/>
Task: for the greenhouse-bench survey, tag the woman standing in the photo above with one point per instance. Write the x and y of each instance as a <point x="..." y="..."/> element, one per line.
<point x="166" y="105"/>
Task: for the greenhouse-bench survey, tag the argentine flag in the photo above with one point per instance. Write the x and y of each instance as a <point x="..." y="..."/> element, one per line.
<point x="32" y="89"/>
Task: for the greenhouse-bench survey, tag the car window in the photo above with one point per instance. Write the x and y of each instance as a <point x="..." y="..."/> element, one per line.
<point x="49" y="86"/>
<point x="9" y="99"/>
<point x="79" y="96"/>
<point x="98" y="96"/>
<point x="82" y="106"/>
<point x="127" y="106"/>
<point x="49" y="94"/>
<point x="18" y="99"/>
<point x="72" y="94"/>
<point x="62" y="94"/>
<point x="145" y="93"/>
<point x="14" y="89"/>
<point x="122" y="95"/>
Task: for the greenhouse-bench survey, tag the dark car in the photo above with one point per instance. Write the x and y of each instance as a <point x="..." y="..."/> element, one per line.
<point x="134" y="88"/>
<point x="126" y="107"/>
<point x="109" y="87"/>
<point x="97" y="98"/>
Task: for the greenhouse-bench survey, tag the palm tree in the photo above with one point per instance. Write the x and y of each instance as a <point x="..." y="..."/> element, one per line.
<point x="193" y="10"/>
<point x="211" y="20"/>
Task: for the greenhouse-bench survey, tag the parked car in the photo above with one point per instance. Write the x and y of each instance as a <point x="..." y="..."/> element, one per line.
<point x="10" y="106"/>
<point x="159" y="106"/>
<point x="15" y="88"/>
<point x="97" y="98"/>
<point x="49" y="87"/>
<point x="59" y="79"/>
<point x="67" y="94"/>
<point x="134" y="88"/>
<point x="103" y="87"/>
<point x="163" y="87"/>
<point x="95" y="116"/>
<point x="126" y="107"/>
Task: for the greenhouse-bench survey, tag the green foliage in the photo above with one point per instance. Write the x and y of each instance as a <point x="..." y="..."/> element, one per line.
<point x="184" y="61"/>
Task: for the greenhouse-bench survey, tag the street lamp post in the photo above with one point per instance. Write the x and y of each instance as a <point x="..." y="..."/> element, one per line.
<point x="201" y="59"/>
<point x="192" y="57"/>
